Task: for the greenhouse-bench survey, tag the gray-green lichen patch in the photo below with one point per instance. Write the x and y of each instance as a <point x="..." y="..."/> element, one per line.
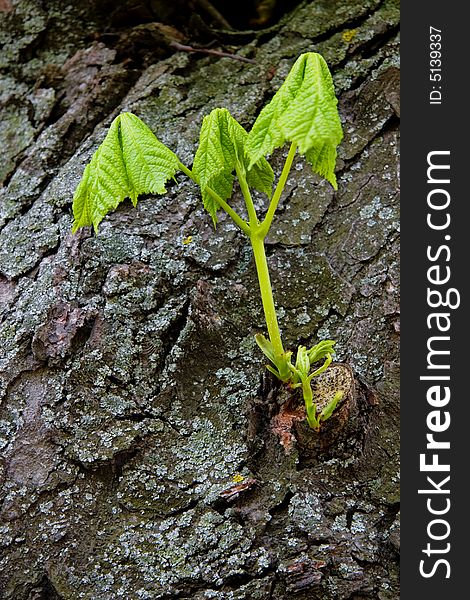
<point x="211" y="248"/>
<point x="259" y="589"/>
<point x="311" y="19"/>
<point x="8" y="294"/>
<point x="22" y="189"/>
<point x="193" y="548"/>
<point x="151" y="554"/>
<point x="374" y="105"/>
<point x="305" y="201"/>
<point x="180" y="471"/>
<point x="308" y="288"/>
<point x="311" y="517"/>
<point x="20" y="27"/>
<point x="25" y="241"/>
<point x="34" y="298"/>
<point x="347" y="43"/>
<point x="370" y="204"/>
<point x="386" y="483"/>
<point x="32" y="457"/>
<point x="16" y="134"/>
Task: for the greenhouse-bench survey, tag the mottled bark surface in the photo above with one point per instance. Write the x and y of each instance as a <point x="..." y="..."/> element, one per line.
<point x="131" y="388"/>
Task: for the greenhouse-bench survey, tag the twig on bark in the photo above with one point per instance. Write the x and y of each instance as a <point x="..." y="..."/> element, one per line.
<point x="185" y="48"/>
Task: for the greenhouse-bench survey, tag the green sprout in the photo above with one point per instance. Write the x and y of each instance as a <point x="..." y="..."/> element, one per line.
<point x="301" y="377"/>
<point x="303" y="112"/>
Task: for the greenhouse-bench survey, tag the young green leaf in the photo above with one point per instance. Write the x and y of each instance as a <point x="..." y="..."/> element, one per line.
<point x="104" y="183"/>
<point x="129" y="162"/>
<point x="321" y="350"/>
<point x="330" y="407"/>
<point x="149" y="163"/>
<point x="282" y="362"/>
<point x="303" y="111"/>
<point x="261" y="177"/>
<point x="221" y="146"/>
<point x="325" y="365"/>
<point x="302" y="362"/>
<point x="266" y="347"/>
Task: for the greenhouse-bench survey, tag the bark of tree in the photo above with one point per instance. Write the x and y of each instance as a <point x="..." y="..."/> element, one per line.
<point x="131" y="389"/>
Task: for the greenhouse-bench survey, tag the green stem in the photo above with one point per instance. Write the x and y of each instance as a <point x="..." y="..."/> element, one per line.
<point x="243" y="225"/>
<point x="250" y="207"/>
<point x="257" y="243"/>
<point x="253" y="231"/>
<point x="310" y="407"/>
<point x="266" y="224"/>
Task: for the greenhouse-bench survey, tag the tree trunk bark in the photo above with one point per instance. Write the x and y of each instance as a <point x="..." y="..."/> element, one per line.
<point x="141" y="456"/>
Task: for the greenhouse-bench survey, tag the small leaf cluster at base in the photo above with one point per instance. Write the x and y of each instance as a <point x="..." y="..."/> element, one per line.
<point x="298" y="375"/>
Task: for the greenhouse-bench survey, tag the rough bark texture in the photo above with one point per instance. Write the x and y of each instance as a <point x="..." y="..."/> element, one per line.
<point x="131" y="388"/>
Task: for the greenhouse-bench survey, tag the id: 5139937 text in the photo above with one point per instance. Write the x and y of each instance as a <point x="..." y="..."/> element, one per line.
<point x="435" y="65"/>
